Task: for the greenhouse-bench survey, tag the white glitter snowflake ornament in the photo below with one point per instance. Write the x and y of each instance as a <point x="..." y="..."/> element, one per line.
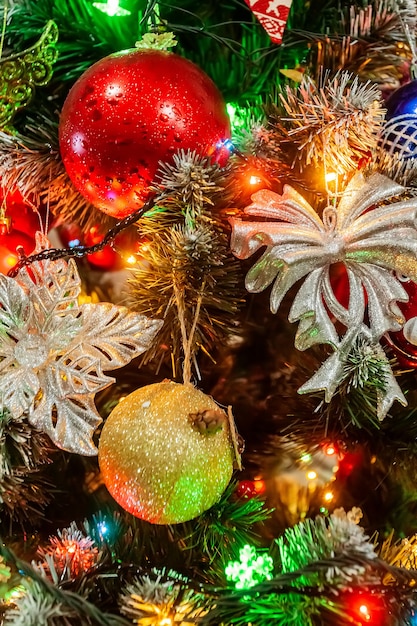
<point x="53" y="352"/>
<point x="371" y="233"/>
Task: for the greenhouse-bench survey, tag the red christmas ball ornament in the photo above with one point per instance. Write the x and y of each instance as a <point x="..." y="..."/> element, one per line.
<point x="340" y="283"/>
<point x="404" y="342"/>
<point x="127" y="113"/>
<point x="249" y="489"/>
<point x="9" y="242"/>
<point x="18" y="213"/>
<point x="105" y="259"/>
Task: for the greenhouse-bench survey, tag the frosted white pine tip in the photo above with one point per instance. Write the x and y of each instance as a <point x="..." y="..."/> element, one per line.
<point x="34" y="607"/>
<point x="346" y="532"/>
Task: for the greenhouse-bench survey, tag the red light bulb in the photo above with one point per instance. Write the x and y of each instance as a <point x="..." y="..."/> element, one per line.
<point x="364" y="607"/>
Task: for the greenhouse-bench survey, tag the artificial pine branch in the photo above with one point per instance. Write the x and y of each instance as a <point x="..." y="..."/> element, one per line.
<point x="189" y="277"/>
<point x="24" y="487"/>
<point x="34" y="607"/>
<point x="24" y="496"/>
<point x="68" y="555"/>
<point x="161" y="596"/>
<point x="307" y="603"/>
<point x="403" y="171"/>
<point x="333" y="124"/>
<point x="73" y="601"/>
<point x="186" y="271"/>
<point x="87" y="34"/>
<point x="191" y="185"/>
<point x="226" y="527"/>
<point x="386" y="20"/>
<point x="370" y="41"/>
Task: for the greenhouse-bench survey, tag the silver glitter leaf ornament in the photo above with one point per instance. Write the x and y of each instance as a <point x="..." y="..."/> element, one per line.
<point x="371" y="241"/>
<point x="53" y="351"/>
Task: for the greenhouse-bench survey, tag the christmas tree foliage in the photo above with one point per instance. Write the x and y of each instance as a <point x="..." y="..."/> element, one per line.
<point x="208" y="281"/>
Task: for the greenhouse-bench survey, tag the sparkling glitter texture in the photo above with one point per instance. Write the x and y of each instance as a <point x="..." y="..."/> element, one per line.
<point x="127" y="113"/>
<point x="155" y="464"/>
<point x="54" y="351"/>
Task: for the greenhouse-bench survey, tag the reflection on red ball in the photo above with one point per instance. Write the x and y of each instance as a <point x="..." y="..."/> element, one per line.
<point x="127" y="113"/>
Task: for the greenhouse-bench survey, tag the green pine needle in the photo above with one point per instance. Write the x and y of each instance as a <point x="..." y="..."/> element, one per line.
<point x="227" y="526"/>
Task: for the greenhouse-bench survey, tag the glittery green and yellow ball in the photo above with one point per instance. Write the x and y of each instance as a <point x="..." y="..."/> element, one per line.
<point x="155" y="463"/>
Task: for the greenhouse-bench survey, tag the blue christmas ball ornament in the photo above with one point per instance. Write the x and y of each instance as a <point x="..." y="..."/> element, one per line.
<point x="399" y="135"/>
<point x="403" y="101"/>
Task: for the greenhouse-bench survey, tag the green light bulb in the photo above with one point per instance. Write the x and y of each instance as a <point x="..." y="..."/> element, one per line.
<point x="111" y="7"/>
<point x="251" y="569"/>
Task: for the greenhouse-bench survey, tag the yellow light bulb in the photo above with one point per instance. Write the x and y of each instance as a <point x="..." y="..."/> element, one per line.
<point x="330" y="177"/>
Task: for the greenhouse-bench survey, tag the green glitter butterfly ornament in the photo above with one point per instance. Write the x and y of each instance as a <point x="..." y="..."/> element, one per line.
<point x="372" y="232"/>
<point x="22" y="72"/>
